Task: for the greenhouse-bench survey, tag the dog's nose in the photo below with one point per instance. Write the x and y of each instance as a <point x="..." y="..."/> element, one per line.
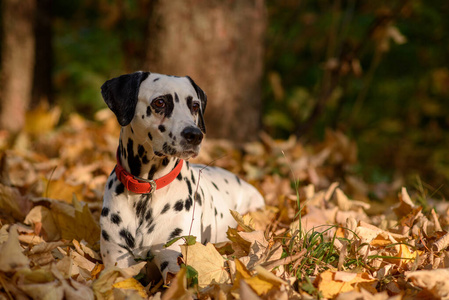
<point x="193" y="135"/>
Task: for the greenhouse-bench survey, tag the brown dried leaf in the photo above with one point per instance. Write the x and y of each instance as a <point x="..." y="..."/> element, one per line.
<point x="436" y="282"/>
<point x="11" y="257"/>
<point x="9" y="199"/>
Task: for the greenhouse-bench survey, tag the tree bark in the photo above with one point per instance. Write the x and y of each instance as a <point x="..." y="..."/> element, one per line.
<point x="220" y="45"/>
<point x="17" y="62"/>
<point x="42" y="84"/>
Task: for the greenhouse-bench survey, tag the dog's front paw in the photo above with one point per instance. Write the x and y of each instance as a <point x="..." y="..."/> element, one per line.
<point x="169" y="271"/>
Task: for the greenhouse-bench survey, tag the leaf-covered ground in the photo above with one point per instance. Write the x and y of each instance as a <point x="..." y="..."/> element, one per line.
<point x="311" y="241"/>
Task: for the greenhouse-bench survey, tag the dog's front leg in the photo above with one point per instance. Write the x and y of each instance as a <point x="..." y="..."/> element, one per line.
<point x="115" y="255"/>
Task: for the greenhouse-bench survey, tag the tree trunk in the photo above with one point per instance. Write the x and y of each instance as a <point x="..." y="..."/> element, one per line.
<point x="42" y="85"/>
<point x="220" y="45"/>
<point x="17" y="62"/>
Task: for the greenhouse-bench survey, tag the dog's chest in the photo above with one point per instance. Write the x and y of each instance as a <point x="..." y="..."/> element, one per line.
<point x="196" y="203"/>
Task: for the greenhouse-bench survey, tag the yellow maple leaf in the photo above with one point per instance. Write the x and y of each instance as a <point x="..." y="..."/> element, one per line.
<point x="207" y="262"/>
<point x="131" y="284"/>
<point x="331" y="283"/>
<point x="42" y="119"/>
<point x="261" y="283"/>
<point x="403" y="255"/>
<point x="61" y="190"/>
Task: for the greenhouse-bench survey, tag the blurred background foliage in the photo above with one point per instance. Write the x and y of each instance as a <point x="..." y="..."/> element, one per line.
<point x="375" y="70"/>
<point x="381" y="70"/>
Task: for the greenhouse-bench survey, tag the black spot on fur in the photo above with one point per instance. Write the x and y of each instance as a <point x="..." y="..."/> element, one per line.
<point x="179" y="205"/>
<point x="238" y="180"/>
<point x="179" y="177"/>
<point x="116" y="219"/>
<point x="150" y="136"/>
<point x="175" y="233"/>
<point x="152" y="172"/>
<point x="156" y="79"/>
<point x="189" y="185"/>
<point x="149" y="215"/>
<point x="140" y="150"/>
<point x="110" y="184"/>
<point x="148" y="111"/>
<point x="150" y="230"/>
<point x="119" y="189"/>
<point x="221" y="215"/>
<point x="143" y="117"/>
<point x="216" y="213"/>
<point x="105" y="211"/>
<point x="165" y="209"/>
<point x="168" y="149"/>
<point x="157" y="153"/>
<point x="125" y="247"/>
<point x="161" y="128"/>
<point x="142" y="205"/>
<point x="127" y="236"/>
<point x="213" y="183"/>
<point x="226" y="180"/>
<point x="188" y="203"/>
<point x="134" y="162"/>
<point x="198" y="198"/>
<point x="164" y="265"/>
<point x="105" y="235"/>
<point x="176" y="98"/>
<point x="170" y="134"/>
<point x="169" y="105"/>
<point x="192" y="177"/>
<point x="189" y="102"/>
<point x="165" y="161"/>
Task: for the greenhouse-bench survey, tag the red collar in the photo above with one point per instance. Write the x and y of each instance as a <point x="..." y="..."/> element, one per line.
<point x="145" y="186"/>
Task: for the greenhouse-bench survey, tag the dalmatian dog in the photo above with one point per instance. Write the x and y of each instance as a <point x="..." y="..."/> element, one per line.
<point x="154" y="194"/>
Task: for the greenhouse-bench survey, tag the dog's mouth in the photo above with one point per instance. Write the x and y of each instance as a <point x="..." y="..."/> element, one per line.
<point x="186" y="154"/>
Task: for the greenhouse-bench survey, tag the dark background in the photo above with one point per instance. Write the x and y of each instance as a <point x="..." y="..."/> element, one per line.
<point x="375" y="70"/>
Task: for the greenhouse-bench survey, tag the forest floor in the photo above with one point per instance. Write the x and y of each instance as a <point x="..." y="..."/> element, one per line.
<point x="311" y="241"/>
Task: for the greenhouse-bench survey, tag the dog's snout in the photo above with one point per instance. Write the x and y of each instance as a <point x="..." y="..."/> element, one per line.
<point x="193" y="135"/>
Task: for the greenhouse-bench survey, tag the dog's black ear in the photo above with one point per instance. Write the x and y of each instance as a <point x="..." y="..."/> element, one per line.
<point x="203" y="98"/>
<point x="121" y="93"/>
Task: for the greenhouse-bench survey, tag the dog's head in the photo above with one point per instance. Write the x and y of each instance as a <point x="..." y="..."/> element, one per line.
<point x="167" y="111"/>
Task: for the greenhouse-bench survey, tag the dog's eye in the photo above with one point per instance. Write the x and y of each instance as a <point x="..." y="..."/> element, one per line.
<point x="195" y="107"/>
<point x="159" y="103"/>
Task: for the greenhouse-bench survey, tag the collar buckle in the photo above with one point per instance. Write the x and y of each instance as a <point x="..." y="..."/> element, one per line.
<point x="153" y="185"/>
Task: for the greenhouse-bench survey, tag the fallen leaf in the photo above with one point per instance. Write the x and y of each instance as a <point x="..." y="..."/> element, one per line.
<point x="178" y="287"/>
<point x="244" y="223"/>
<point x="11" y="257"/>
<point x="9" y="199"/>
<point x="207" y="262"/>
<point x="331" y="283"/>
<point x="436" y="282"/>
<point x="131" y="284"/>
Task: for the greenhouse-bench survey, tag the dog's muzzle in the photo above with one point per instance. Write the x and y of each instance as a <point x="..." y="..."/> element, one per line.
<point x="192" y="135"/>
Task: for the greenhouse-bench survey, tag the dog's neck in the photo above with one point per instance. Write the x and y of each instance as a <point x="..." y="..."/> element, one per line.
<point x="137" y="156"/>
